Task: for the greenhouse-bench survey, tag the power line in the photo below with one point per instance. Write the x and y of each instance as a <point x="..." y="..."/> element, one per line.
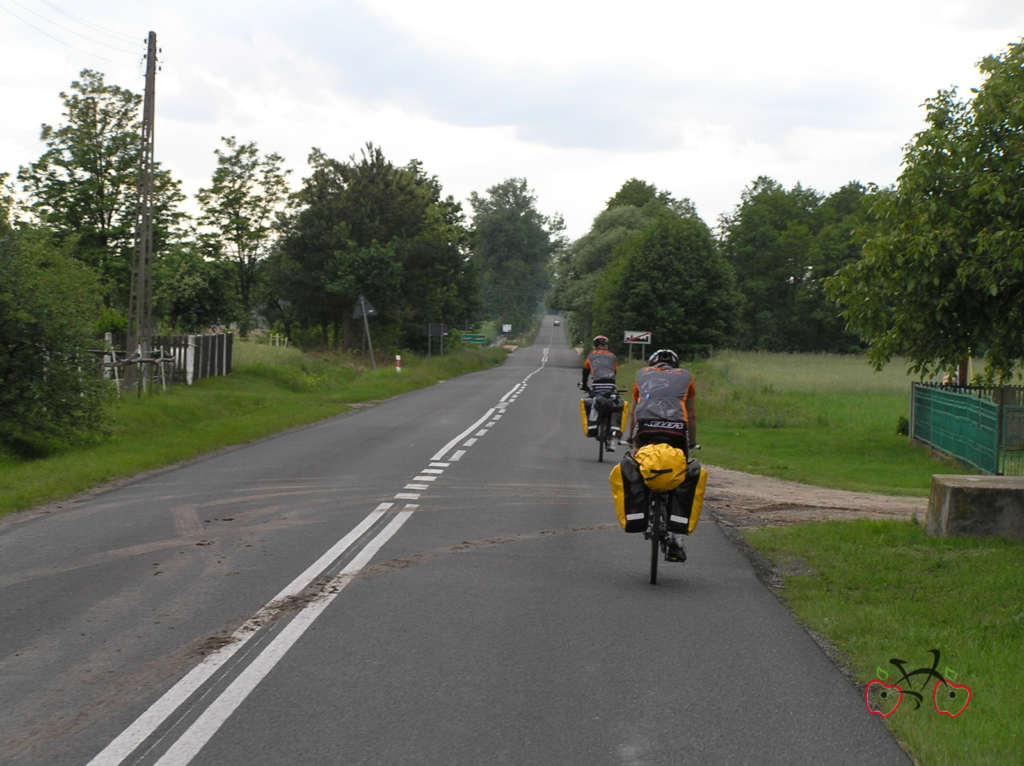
<point x="51" y="22"/>
<point x="119" y="36"/>
<point x="43" y="32"/>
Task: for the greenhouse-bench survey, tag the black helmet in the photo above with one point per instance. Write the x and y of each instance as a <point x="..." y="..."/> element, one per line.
<point x="664" y="356"/>
<point x="600" y="340"/>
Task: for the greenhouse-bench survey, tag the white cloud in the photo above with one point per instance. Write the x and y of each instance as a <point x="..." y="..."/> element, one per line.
<point x="576" y="97"/>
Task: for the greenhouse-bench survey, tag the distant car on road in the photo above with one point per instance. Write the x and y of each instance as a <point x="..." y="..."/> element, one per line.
<point x="558" y="322"/>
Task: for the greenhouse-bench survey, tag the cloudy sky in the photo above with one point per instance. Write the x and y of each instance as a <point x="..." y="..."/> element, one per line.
<point x="577" y="97"/>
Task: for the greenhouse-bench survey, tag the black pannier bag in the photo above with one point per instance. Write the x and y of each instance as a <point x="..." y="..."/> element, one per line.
<point x="681" y="505"/>
<point x="589" y="426"/>
<point x="631" y="495"/>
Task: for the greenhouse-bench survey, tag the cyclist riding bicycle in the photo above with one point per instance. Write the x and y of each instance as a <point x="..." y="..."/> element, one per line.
<point x="663" y="412"/>
<point x="602" y="364"/>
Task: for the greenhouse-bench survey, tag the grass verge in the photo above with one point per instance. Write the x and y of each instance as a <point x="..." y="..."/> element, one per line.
<point x="270" y="389"/>
<point x="823" y="419"/>
<point x="883" y="590"/>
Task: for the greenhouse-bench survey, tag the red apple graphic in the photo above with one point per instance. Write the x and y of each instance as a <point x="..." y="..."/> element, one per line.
<point x="882" y="698"/>
<point x="950" y="699"/>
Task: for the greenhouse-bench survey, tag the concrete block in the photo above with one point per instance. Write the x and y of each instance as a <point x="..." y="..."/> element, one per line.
<point x="976" y="505"/>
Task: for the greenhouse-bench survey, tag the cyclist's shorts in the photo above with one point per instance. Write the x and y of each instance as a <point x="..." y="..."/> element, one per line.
<point x="671" y="432"/>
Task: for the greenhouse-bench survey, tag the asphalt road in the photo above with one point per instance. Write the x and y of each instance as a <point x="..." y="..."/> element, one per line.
<point x="435" y="579"/>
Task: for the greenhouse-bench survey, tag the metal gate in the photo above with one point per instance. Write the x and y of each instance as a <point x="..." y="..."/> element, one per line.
<point x="982" y="426"/>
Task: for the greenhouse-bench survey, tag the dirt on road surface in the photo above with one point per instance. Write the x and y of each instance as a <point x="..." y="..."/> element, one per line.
<point x="747" y="500"/>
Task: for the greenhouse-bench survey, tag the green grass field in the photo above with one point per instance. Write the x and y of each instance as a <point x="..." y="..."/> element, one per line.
<point x="823" y="419"/>
<point x="883" y="590"/>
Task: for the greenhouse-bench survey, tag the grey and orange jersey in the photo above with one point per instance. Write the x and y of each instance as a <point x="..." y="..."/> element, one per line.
<point x="660" y="393"/>
<point x="602" y="365"/>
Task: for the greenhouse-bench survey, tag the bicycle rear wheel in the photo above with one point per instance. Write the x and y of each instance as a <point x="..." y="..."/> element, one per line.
<point x="602" y="437"/>
<point x="654" y="559"/>
<point x="657" y="527"/>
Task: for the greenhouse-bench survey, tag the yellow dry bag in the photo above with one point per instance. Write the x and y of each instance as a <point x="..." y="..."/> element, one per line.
<point x="662" y="467"/>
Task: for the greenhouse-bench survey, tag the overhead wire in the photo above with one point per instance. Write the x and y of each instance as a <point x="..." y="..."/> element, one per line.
<point x="52" y="23"/>
<point x="43" y="32"/>
<point x="124" y="39"/>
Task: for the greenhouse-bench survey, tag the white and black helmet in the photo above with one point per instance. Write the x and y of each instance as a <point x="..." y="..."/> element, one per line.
<point x="664" y="356"/>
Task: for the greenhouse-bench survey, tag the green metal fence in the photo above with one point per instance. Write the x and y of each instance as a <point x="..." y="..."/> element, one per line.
<point x="982" y="426"/>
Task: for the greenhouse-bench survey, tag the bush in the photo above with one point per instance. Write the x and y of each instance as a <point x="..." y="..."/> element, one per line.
<point x="51" y="393"/>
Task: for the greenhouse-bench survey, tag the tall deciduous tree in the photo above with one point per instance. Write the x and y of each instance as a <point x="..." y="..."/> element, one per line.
<point x="580" y="267"/>
<point x="513" y="248"/>
<point x="84" y="186"/>
<point x="767" y="239"/>
<point x="669" y="279"/>
<point x="369" y="227"/>
<point x="840" y="231"/>
<point x="943" y="275"/>
<point x="247" y="191"/>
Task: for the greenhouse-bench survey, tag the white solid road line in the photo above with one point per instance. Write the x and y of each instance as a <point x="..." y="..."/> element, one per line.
<point x="147" y="723"/>
<point x="204" y="727"/>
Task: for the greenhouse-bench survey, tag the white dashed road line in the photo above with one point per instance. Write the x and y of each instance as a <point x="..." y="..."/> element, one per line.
<point x="206" y="725"/>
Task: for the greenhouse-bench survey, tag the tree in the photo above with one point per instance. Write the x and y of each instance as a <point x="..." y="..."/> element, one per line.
<point x="513" y="247"/>
<point x="6" y="203"/>
<point x="942" y="275"/>
<point x="633" y="193"/>
<point x="368" y="227"/>
<point x="670" y="279"/>
<point x="580" y="268"/>
<point x="193" y="293"/>
<point x="640" y="194"/>
<point x="84" y="186"/>
<point x="768" y="239"/>
<point x="839" y="223"/>
<point x="50" y="392"/>
<point x="238" y="213"/>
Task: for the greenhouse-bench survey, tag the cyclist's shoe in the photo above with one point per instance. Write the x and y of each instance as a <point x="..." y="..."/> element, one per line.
<point x="609" y="447"/>
<point x="675" y="550"/>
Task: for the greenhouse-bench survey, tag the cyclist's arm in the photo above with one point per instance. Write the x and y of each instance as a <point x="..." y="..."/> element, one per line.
<point x="631" y="420"/>
<point x="691" y="415"/>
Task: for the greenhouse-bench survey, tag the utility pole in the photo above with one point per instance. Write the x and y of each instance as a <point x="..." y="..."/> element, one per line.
<point x="140" y="302"/>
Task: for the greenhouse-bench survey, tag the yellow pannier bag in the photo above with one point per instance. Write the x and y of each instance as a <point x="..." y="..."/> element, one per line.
<point x="619" y="494"/>
<point x="625" y="418"/>
<point x="698" y="500"/>
<point x="662" y="467"/>
<point x="630" y="496"/>
<point x="583" y="415"/>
